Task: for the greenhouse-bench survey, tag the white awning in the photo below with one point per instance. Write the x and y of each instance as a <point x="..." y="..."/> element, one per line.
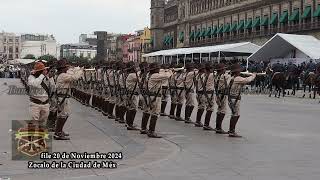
<point x="241" y="48"/>
<point x="281" y="45"/>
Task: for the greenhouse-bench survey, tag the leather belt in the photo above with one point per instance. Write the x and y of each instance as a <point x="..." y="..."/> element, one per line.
<point x="37" y="101"/>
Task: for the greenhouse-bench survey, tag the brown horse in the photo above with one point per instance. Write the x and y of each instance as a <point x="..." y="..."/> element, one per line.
<point x="279" y="81"/>
<point x="310" y="81"/>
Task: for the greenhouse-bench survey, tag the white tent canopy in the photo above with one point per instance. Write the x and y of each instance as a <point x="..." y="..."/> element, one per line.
<point x="280" y="45"/>
<point x="241" y="48"/>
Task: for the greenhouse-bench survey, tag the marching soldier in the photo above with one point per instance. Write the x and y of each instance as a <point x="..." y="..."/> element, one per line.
<point x="165" y="89"/>
<point x="179" y="96"/>
<point x="51" y="122"/>
<point x="112" y="79"/>
<point x="174" y="91"/>
<point x="64" y="79"/>
<point x="108" y="89"/>
<point x="39" y="92"/>
<point x="154" y="84"/>
<point x="132" y="85"/>
<point x="189" y="91"/>
<point x="121" y="109"/>
<point x="209" y="93"/>
<point x="143" y="77"/>
<point x="200" y="87"/>
<point x="234" y="96"/>
<point x="221" y="87"/>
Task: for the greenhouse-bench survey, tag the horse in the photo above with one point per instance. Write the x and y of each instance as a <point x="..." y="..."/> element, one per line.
<point x="293" y="81"/>
<point x="279" y="81"/>
<point x="309" y="81"/>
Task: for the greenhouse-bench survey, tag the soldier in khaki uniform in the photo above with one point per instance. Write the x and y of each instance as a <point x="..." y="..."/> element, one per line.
<point x="189" y="91"/>
<point x="234" y="97"/>
<point x="132" y="86"/>
<point x="39" y="92"/>
<point x="179" y="96"/>
<point x="174" y="91"/>
<point x="121" y="109"/>
<point x="165" y="93"/>
<point x="221" y="88"/>
<point x="108" y="89"/>
<point x="206" y="96"/>
<point x="200" y="90"/>
<point x="113" y="88"/>
<point x="154" y="87"/>
<point x="143" y="77"/>
<point x="65" y="78"/>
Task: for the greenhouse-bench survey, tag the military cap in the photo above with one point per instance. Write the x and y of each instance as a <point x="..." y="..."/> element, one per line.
<point x="220" y="67"/>
<point x="236" y="68"/>
<point x="154" y="66"/>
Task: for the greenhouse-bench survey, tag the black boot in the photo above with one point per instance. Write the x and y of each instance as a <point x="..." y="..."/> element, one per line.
<point x="122" y="112"/>
<point x="187" y="114"/>
<point x="207" y="119"/>
<point x="105" y="108"/>
<point x="219" y="120"/>
<point x="110" y="111"/>
<point x="51" y="122"/>
<point x="163" y="108"/>
<point x="144" y="123"/>
<point x="172" y="110"/>
<point x="232" y="129"/>
<point x="152" y="127"/>
<point x="117" y="111"/>
<point x="131" y="114"/>
<point x="199" y="116"/>
<point x="59" y="135"/>
<point x="178" y="113"/>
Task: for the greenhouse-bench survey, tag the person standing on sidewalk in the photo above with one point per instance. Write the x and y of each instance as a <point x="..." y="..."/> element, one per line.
<point x="234" y="96"/>
<point x="65" y="78"/>
<point x="39" y="91"/>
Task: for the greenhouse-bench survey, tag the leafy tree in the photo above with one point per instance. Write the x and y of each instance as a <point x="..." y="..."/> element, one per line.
<point x="47" y="57"/>
<point x="29" y="56"/>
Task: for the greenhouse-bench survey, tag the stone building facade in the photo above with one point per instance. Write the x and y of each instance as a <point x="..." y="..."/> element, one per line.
<point x="189" y="23"/>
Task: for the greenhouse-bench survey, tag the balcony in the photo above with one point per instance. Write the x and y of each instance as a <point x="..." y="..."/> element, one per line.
<point x="262" y="32"/>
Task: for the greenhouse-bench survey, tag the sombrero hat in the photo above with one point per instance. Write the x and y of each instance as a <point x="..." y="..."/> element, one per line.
<point x="39" y="66"/>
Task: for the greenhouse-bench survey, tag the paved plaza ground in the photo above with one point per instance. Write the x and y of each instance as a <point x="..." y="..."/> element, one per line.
<point x="281" y="142"/>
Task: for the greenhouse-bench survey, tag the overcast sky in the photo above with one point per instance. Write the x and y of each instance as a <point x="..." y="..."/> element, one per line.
<point x="67" y="19"/>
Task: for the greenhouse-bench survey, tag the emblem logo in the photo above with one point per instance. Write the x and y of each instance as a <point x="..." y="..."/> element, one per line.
<point x="30" y="140"/>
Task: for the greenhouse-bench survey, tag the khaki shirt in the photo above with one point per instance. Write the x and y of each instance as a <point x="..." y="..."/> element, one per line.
<point x="179" y="79"/>
<point x="210" y="82"/>
<point x="156" y="81"/>
<point x="221" y="82"/>
<point x="238" y="83"/>
<point x="36" y="90"/>
<point x="200" y="81"/>
<point x="189" y="79"/>
<point x="132" y="82"/>
<point x="121" y="79"/>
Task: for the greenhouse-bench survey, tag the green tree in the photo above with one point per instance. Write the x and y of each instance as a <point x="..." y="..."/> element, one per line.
<point x="29" y="56"/>
<point x="47" y="57"/>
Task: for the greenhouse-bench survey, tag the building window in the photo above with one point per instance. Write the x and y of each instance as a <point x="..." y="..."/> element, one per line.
<point x="17" y="49"/>
<point x="17" y="56"/>
<point x="10" y="49"/>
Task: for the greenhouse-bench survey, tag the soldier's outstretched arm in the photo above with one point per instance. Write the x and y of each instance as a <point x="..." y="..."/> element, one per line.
<point x="73" y="74"/>
<point x="247" y="79"/>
